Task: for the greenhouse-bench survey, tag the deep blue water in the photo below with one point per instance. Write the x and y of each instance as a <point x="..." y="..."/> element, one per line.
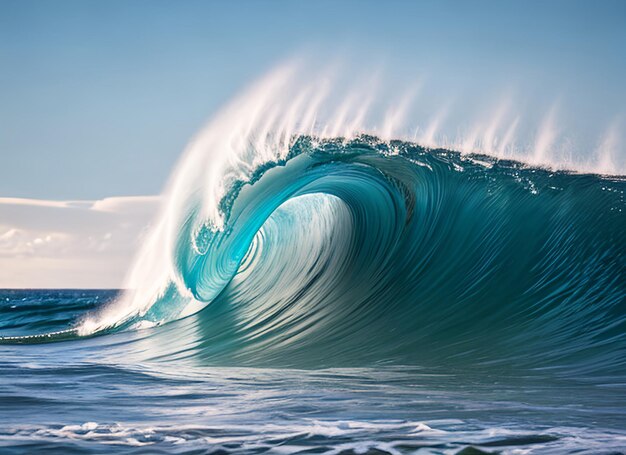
<point x="360" y="297"/>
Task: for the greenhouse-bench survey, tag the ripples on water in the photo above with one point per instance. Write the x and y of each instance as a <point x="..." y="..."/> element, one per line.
<point x="61" y="398"/>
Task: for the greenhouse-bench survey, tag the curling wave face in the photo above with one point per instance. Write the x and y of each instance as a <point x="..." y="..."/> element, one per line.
<point x="352" y="252"/>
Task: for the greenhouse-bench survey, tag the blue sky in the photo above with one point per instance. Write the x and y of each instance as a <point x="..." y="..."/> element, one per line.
<point x="98" y="98"/>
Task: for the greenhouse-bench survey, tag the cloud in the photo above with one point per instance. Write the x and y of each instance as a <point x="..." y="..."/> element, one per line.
<point x="79" y="244"/>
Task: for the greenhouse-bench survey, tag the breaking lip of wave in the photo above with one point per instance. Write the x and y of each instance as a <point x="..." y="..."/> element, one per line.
<point x="258" y="129"/>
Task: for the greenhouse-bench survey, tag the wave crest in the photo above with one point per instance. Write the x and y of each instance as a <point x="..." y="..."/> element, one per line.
<point x="356" y="251"/>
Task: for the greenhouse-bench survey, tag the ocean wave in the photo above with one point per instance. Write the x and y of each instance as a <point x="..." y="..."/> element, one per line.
<point x="353" y="251"/>
<point x="297" y="242"/>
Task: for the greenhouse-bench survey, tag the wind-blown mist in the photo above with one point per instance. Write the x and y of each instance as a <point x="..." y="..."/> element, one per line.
<point x="197" y="247"/>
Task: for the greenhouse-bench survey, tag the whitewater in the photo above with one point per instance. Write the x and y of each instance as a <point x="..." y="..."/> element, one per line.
<point x="326" y="276"/>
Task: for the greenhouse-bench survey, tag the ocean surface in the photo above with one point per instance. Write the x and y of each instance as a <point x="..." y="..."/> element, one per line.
<point x="354" y="296"/>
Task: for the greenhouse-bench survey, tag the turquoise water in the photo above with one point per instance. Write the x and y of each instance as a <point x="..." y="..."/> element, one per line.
<point x="360" y="297"/>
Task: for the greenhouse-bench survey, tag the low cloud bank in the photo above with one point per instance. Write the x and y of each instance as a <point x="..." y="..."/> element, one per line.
<point x="71" y="244"/>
